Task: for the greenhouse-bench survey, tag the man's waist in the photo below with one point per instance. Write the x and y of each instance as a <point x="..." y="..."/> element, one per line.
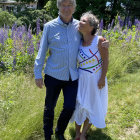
<point x="62" y="74"/>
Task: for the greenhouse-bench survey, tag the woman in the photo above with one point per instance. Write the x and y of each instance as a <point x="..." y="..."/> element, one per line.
<point x="92" y="97"/>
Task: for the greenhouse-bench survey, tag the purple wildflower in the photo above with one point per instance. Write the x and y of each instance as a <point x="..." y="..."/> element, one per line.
<point x="138" y="26"/>
<point x="125" y="32"/>
<point x="13" y="30"/>
<point x="38" y="26"/>
<point x="30" y="48"/>
<point x="129" y="24"/>
<point x="128" y="39"/>
<point x="112" y="23"/>
<point x="115" y="28"/>
<point x="14" y="63"/>
<point x="101" y="24"/>
<point x="21" y="32"/>
<point x="120" y="21"/>
<point x="45" y="21"/>
<point x="136" y="36"/>
<point x="136" y="22"/>
<point x="29" y="33"/>
<point x="38" y="45"/>
<point x="109" y="26"/>
<point x="1" y="36"/>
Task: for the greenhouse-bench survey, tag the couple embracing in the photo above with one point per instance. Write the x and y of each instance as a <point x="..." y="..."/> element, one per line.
<point x="84" y="84"/>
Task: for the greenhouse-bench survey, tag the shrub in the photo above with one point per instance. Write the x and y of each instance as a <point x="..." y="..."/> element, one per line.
<point x="30" y="16"/>
<point x="8" y="19"/>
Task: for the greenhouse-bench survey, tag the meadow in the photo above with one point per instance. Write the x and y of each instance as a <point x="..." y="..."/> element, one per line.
<point x="21" y="102"/>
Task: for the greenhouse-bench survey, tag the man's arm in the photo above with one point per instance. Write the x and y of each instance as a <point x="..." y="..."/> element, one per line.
<point x="39" y="61"/>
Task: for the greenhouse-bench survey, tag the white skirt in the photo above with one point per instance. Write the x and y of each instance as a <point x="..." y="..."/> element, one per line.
<point x="91" y="101"/>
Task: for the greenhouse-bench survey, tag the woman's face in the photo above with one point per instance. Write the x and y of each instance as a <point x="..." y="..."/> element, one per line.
<point x="84" y="26"/>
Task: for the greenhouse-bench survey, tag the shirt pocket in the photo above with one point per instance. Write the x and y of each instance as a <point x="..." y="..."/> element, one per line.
<point x="58" y="40"/>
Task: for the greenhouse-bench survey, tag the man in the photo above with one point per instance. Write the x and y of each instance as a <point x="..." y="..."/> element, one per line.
<point x="62" y="39"/>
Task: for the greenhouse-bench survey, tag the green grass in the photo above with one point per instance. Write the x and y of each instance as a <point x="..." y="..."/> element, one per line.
<point x="21" y="107"/>
<point x="21" y="110"/>
<point x="123" y="118"/>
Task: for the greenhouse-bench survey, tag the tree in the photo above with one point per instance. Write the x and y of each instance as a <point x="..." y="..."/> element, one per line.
<point x="105" y="11"/>
<point x="116" y="7"/>
<point x="40" y="3"/>
<point x="96" y="6"/>
<point x="125" y="8"/>
<point x="26" y="1"/>
<point x="52" y="8"/>
<point x="133" y="8"/>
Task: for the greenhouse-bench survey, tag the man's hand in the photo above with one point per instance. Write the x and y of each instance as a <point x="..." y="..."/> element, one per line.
<point x="39" y="83"/>
<point x="105" y="43"/>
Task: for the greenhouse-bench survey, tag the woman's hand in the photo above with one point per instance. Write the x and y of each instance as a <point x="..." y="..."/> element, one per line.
<point x="101" y="83"/>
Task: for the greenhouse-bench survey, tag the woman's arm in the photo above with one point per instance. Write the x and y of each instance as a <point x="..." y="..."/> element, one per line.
<point x="105" y="58"/>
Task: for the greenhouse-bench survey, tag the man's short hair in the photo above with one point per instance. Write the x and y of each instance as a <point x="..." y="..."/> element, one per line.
<point x="60" y="1"/>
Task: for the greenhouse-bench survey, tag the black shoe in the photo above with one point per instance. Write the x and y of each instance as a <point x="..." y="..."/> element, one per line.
<point x="60" y="137"/>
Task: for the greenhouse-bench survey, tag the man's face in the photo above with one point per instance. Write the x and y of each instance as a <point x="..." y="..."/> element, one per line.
<point x="66" y="9"/>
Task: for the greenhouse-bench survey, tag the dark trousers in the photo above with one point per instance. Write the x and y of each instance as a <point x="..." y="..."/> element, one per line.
<point x="53" y="88"/>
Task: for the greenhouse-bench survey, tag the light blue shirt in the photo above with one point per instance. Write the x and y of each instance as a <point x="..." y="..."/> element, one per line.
<point x="63" y="42"/>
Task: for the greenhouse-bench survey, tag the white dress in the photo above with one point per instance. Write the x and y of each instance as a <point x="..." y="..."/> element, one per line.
<point x="91" y="101"/>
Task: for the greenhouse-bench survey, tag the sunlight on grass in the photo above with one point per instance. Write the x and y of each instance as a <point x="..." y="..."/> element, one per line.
<point x="123" y="118"/>
<point x="22" y="110"/>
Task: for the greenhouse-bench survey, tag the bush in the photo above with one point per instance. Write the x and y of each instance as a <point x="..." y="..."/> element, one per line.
<point x="8" y="19"/>
<point x="30" y="17"/>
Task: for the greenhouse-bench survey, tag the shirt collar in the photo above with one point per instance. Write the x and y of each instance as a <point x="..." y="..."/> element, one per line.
<point x="62" y="23"/>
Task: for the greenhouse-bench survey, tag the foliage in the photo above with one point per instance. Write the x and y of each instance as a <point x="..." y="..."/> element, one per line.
<point x="51" y="8"/>
<point x="125" y="8"/>
<point x="97" y="6"/>
<point x="125" y="43"/>
<point x="29" y="17"/>
<point x="105" y="11"/>
<point x="18" y="47"/>
<point x="40" y="3"/>
<point x="7" y="19"/>
<point x="27" y="1"/>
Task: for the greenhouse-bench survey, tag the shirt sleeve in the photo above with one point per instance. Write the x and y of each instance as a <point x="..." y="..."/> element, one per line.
<point x="39" y="61"/>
